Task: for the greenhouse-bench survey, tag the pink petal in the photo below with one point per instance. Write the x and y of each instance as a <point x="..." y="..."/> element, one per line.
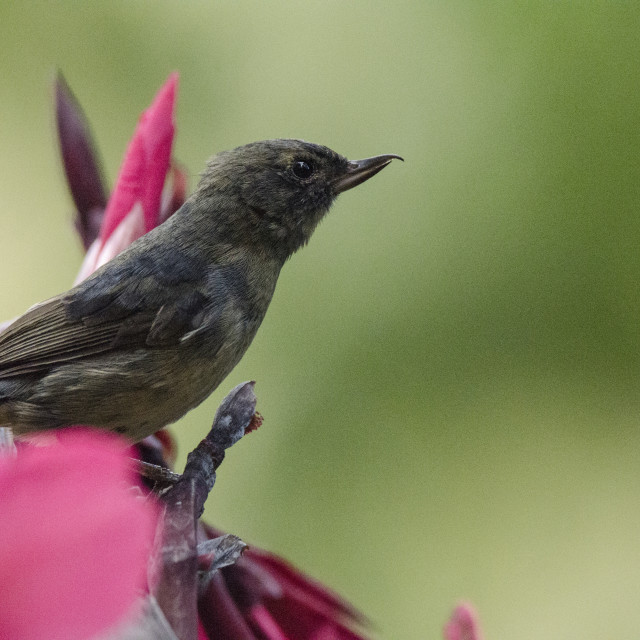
<point x="100" y="252"/>
<point x="174" y="193"/>
<point x="463" y="624"/>
<point x="74" y="540"/>
<point x="146" y="163"/>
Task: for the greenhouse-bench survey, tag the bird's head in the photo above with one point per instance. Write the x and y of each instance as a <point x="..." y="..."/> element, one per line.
<point x="283" y="188"/>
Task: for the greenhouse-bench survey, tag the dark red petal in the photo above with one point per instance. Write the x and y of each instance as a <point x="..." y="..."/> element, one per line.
<point x="303" y="587"/>
<point x="301" y="606"/>
<point x="268" y="627"/>
<point x="220" y="615"/>
<point x="249" y="584"/>
<point x="330" y="632"/>
<point x="81" y="162"/>
<point x="164" y="441"/>
<point x="300" y="622"/>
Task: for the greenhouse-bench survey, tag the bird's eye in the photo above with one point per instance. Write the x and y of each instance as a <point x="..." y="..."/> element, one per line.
<point x="302" y="169"/>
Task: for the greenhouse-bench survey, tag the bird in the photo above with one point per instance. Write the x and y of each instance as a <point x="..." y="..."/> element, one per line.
<point x="153" y="332"/>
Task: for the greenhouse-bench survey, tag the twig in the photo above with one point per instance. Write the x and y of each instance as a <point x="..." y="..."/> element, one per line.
<point x="217" y="553"/>
<point x="161" y="476"/>
<point x="178" y="585"/>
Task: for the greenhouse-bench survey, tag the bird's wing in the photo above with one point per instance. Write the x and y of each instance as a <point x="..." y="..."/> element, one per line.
<point x="44" y="336"/>
<point x="99" y="316"/>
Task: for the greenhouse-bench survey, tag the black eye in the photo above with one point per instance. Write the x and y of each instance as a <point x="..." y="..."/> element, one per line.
<point x="302" y="169"/>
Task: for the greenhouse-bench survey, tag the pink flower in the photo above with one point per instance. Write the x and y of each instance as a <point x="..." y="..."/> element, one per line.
<point x="75" y="538"/>
<point x="136" y="204"/>
<point x="463" y="624"/>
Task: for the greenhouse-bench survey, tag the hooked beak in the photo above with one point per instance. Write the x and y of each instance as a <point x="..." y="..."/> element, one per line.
<point x="360" y="170"/>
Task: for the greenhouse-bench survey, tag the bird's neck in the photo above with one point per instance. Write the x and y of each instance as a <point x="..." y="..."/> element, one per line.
<point x="230" y="225"/>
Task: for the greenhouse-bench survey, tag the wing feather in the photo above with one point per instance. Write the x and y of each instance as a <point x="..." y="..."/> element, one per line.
<point x="114" y="312"/>
<point x="45" y="336"/>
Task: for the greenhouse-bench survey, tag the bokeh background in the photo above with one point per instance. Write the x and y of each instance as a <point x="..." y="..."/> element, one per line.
<point x="449" y="372"/>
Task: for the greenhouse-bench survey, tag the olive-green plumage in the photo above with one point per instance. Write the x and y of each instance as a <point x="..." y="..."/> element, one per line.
<point x="153" y="332"/>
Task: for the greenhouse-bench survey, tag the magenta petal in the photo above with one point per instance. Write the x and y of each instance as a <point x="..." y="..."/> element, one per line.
<point x="146" y="163"/>
<point x="80" y="161"/>
<point x="157" y="145"/>
<point x="463" y="624"/>
<point x="74" y="540"/>
<point x="127" y="189"/>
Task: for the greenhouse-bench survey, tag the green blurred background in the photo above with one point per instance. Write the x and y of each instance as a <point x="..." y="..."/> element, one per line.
<point x="449" y="372"/>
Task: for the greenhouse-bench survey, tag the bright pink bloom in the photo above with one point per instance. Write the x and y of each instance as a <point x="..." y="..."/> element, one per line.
<point x="75" y="538"/>
<point x="463" y="624"/>
<point x="135" y="204"/>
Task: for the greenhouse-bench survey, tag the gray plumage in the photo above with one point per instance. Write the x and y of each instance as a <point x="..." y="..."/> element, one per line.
<point x="153" y="332"/>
